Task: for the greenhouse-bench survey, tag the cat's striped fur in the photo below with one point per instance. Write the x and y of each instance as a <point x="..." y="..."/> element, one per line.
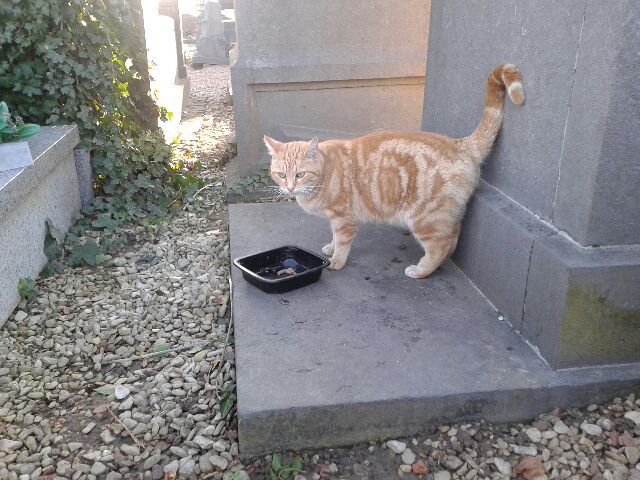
<point x="421" y="181"/>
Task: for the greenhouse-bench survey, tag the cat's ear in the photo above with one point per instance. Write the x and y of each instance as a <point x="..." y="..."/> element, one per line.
<point x="272" y="145"/>
<point x="312" y="149"/>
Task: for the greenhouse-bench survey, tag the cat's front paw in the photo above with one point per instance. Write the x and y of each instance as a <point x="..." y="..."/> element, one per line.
<point x="336" y="264"/>
<point x="414" y="272"/>
<point x="328" y="249"/>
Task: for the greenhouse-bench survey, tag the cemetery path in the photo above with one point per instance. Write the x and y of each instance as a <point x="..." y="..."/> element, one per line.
<point x="127" y="370"/>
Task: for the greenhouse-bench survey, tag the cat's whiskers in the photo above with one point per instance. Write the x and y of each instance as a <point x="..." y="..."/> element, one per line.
<point x="273" y="193"/>
<point x="307" y="189"/>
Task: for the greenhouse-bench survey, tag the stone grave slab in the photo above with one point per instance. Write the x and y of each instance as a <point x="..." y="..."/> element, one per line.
<point x="210" y="42"/>
<point x="367" y="353"/>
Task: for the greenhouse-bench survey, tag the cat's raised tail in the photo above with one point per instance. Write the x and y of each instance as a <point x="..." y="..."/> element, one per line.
<point x="505" y="78"/>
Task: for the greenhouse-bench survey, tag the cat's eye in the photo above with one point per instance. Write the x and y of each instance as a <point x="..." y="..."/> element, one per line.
<point x="300" y="174"/>
<point x="282" y="175"/>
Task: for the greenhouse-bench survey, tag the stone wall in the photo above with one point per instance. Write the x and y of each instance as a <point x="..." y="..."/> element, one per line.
<point x="48" y="189"/>
<point x="333" y="69"/>
<point x="552" y="237"/>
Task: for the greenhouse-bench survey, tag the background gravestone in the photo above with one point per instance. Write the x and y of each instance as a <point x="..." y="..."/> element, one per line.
<point x="169" y="80"/>
<point x="552" y="237"/>
<point x="210" y="42"/>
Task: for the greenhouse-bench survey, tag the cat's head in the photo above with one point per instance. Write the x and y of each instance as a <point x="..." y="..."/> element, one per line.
<point x="295" y="166"/>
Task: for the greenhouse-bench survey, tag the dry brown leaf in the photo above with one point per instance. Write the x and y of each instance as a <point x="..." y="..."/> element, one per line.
<point x="102" y="408"/>
<point x="169" y="475"/>
<point x="531" y="469"/>
<point x="222" y="300"/>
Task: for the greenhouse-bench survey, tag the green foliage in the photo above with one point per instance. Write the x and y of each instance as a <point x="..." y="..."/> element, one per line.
<point x="259" y="181"/>
<point x="227" y="402"/>
<point x="150" y="222"/>
<point x="88" y="253"/>
<point x="76" y="248"/>
<point x="13" y="129"/>
<point x="283" y="471"/>
<point x="27" y="289"/>
<point x="83" y="62"/>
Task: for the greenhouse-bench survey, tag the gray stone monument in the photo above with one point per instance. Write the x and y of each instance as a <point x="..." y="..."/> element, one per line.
<point x="552" y="237"/>
<point x="171" y="9"/>
<point x="210" y="42"/>
<point x="331" y="69"/>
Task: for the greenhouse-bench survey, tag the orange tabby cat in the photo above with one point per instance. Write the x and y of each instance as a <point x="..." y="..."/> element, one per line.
<point x="421" y="181"/>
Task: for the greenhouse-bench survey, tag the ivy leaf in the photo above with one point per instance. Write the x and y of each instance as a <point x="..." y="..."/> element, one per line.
<point x="87" y="253"/>
<point x="105" y="221"/>
<point x="276" y="463"/>
<point x="52" y="250"/>
<point x="296" y="464"/>
<point x="27" y="289"/>
<point x="51" y="268"/>
<point x="227" y="401"/>
<point x="225" y="407"/>
<point x="111" y="244"/>
<point x="27" y="130"/>
<point x="142" y="181"/>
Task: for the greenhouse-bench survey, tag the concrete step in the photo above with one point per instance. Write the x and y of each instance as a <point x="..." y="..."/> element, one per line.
<point x="368" y="353"/>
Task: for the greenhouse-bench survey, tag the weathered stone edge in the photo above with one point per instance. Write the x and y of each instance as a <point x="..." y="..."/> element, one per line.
<point x="344" y="425"/>
<point x="49" y="148"/>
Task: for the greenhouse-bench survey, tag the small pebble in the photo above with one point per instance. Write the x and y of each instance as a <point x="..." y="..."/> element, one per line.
<point x="396" y="446"/>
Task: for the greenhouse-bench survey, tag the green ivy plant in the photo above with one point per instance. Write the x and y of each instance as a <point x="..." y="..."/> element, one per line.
<point x="227" y="401"/>
<point x="83" y="62"/>
<point x="260" y="181"/>
<point x="280" y="470"/>
<point x="27" y="289"/>
<point x="13" y="129"/>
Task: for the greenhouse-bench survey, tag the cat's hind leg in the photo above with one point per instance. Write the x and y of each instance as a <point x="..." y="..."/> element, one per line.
<point x="438" y="241"/>
<point x="344" y="231"/>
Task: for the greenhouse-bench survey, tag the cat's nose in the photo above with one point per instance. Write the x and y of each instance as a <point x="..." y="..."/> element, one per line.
<point x="290" y="189"/>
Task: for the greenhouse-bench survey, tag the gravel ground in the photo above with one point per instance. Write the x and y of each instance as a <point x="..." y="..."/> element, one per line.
<point x="127" y="370"/>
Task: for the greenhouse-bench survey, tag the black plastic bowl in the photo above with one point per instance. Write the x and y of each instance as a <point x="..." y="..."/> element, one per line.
<point x="261" y="269"/>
